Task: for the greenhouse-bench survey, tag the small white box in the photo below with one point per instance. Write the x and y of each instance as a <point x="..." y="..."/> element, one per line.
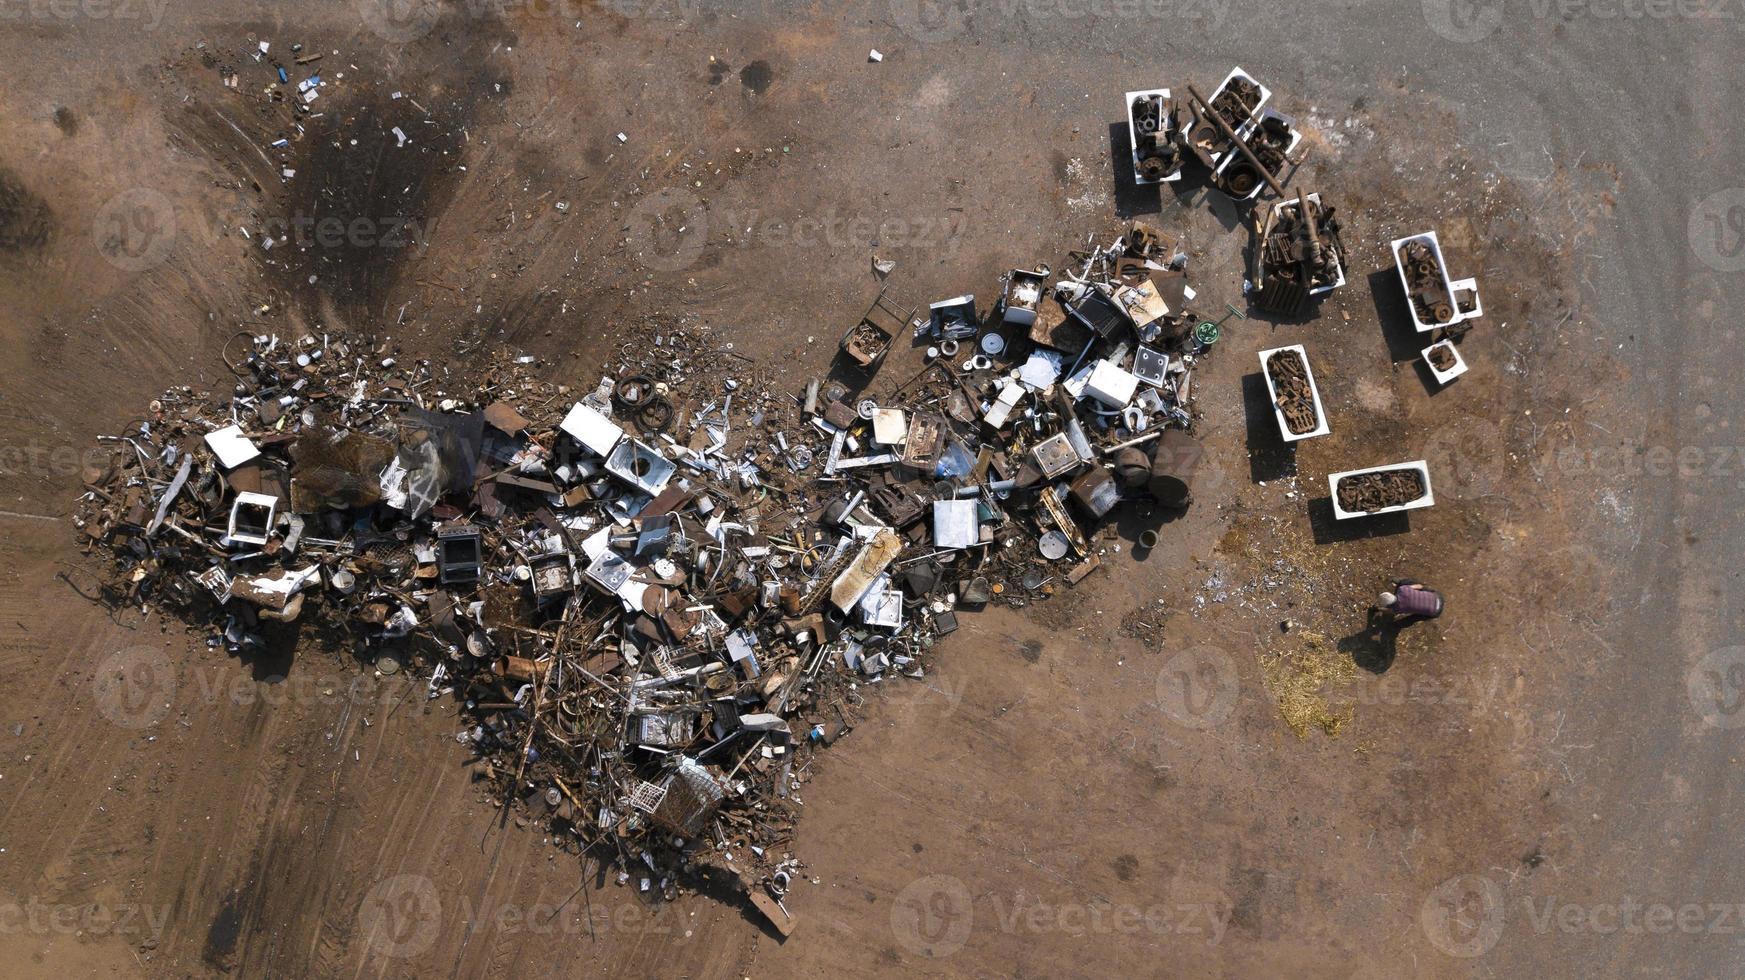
<point x="1111" y="384"/>
<point x="252" y="516"/>
<point x="641" y="466"/>
<point x="890" y="427"/>
<point x="1468" y="286"/>
<point x="956" y="524"/>
<point x="1443" y="377"/>
<point x="597" y="433"/>
<point x="231" y="447"/>
<point x="1001" y="409"/>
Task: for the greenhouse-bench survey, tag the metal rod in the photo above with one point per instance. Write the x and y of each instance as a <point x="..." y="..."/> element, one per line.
<point x="1230" y="134"/>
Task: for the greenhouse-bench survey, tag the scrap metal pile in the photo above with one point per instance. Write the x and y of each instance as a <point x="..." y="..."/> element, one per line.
<point x="654" y="599"/>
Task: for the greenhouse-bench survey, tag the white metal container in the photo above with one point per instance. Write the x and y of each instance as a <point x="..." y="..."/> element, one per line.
<point x="1469" y="286"/>
<point x="1321" y="428"/>
<point x="1429" y="237"/>
<point x="1265" y="94"/>
<point x="1426" y="500"/>
<point x="1338" y="265"/>
<point x="1443" y="377"/>
<point x="1246" y="130"/>
<point x="1133" y="137"/>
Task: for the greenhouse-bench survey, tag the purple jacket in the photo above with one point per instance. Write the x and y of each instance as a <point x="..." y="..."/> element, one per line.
<point x="1417" y="601"/>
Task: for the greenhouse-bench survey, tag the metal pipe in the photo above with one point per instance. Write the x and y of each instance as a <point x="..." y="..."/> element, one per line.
<point x="1230" y="134"/>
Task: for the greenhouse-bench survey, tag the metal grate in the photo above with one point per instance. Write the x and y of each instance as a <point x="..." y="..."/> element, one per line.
<point x="647" y="796"/>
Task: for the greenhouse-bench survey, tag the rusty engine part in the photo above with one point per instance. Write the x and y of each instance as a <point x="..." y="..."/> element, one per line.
<point x="1154" y="132"/>
<point x="1429" y="290"/>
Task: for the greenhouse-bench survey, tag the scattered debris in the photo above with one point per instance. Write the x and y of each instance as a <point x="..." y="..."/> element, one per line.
<point x="654" y="599"/>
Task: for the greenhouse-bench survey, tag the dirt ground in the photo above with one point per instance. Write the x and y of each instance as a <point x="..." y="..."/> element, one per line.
<point x="1201" y="761"/>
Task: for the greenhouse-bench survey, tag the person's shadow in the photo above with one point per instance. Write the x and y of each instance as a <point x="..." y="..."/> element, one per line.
<point x="1374" y="647"/>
